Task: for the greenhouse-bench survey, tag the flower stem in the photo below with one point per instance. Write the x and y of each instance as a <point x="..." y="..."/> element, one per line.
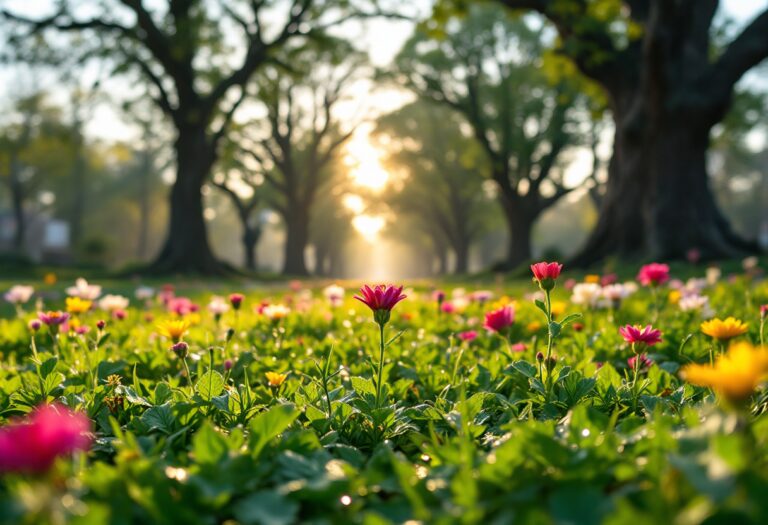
<point x="550" y="341"/>
<point x="634" y="380"/>
<point x="381" y="365"/>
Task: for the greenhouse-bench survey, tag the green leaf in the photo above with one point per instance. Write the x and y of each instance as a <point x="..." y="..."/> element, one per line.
<point x="159" y="418"/>
<point x="554" y="329"/>
<point x="210" y="385"/>
<point x="569" y="319"/>
<point x="270" y="424"/>
<point x="540" y="305"/>
<point x="525" y="368"/>
<point x="265" y="508"/>
<point x="362" y="386"/>
<point x="208" y="445"/>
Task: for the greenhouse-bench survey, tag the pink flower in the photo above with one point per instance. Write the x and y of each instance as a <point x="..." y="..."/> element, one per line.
<point x="569" y="284"/>
<point x="498" y="320"/>
<point x="236" y="299"/>
<point x="469" y="335"/>
<point x="32" y="444"/>
<point x="180" y="305"/>
<point x="653" y="274"/>
<point x="53" y="318"/>
<point x="119" y="314"/>
<point x="608" y="279"/>
<point x="763" y="311"/>
<point x="381" y="299"/>
<point x="546" y="273"/>
<point x="647" y="336"/>
<point x="518" y="347"/>
<point x="447" y="308"/>
<point x="645" y="361"/>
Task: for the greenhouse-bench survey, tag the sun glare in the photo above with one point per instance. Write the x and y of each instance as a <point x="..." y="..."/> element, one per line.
<point x="364" y="161"/>
<point x="369" y="226"/>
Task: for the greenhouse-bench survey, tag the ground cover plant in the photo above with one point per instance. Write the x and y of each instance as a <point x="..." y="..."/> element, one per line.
<point x="535" y="401"/>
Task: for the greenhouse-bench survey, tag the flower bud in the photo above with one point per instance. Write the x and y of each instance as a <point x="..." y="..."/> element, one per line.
<point x="100" y="324"/>
<point x="181" y="349"/>
<point x="539" y="356"/>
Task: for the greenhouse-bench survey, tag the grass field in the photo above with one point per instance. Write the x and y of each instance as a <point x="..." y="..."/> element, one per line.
<point x="273" y="413"/>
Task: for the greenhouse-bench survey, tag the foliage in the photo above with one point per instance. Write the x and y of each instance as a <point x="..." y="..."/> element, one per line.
<point x="467" y="432"/>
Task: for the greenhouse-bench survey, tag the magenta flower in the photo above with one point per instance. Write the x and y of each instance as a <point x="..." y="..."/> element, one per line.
<point x="53" y="318"/>
<point x="469" y="335"/>
<point x="518" y="347"/>
<point x="236" y="299"/>
<point x="381" y="299"/>
<point x="448" y="308"/>
<point x="498" y="320"/>
<point x="546" y="273"/>
<point x="181" y="306"/>
<point x="32" y="444"/>
<point x="635" y="335"/>
<point x="645" y="361"/>
<point x="653" y="274"/>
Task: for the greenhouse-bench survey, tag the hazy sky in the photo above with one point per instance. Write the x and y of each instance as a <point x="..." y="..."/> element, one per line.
<point x="380" y="38"/>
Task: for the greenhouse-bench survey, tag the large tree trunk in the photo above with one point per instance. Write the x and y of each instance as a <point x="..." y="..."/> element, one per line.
<point x="144" y="205"/>
<point x="186" y="248"/>
<point x="297" y="235"/>
<point x="658" y="204"/>
<point x="519" y="224"/>
<point x="461" y="250"/>
<point x="250" y="243"/>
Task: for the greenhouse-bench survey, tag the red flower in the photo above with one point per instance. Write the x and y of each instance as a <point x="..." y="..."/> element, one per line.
<point x="469" y="335"/>
<point x="236" y="299"/>
<point x="637" y="335"/>
<point x="31" y="445"/>
<point x="381" y="299"/>
<point x="498" y="320"/>
<point x="653" y="274"/>
<point x="546" y="273"/>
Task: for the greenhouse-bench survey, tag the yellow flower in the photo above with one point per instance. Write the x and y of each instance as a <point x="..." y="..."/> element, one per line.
<point x="50" y="278"/>
<point x="274" y="379"/>
<point x="723" y="330"/>
<point x="558" y="308"/>
<point x="735" y="374"/>
<point x="674" y="296"/>
<point x="592" y="278"/>
<point x="173" y="329"/>
<point x="533" y="326"/>
<point x="75" y="305"/>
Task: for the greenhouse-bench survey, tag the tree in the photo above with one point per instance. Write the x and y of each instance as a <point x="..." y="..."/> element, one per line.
<point x="666" y="90"/>
<point x="35" y="147"/>
<point x="244" y="187"/>
<point x="521" y="120"/>
<point x="301" y="136"/>
<point x="443" y="184"/>
<point x="186" y="51"/>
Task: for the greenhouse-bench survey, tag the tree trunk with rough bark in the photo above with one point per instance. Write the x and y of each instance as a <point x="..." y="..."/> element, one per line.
<point x="296" y="239"/>
<point x="186" y="249"/>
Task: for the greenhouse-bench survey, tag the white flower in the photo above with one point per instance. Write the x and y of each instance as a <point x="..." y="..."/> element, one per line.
<point x="144" y="293"/>
<point x="110" y="303"/>
<point x="481" y="296"/>
<point x="750" y="263"/>
<point x="616" y="292"/>
<point x="458" y="292"/>
<point x="19" y="294"/>
<point x="218" y="305"/>
<point x="696" y="303"/>
<point x="83" y="290"/>
<point x="334" y="294"/>
<point x="587" y="294"/>
<point x="713" y="275"/>
<point x="275" y="311"/>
